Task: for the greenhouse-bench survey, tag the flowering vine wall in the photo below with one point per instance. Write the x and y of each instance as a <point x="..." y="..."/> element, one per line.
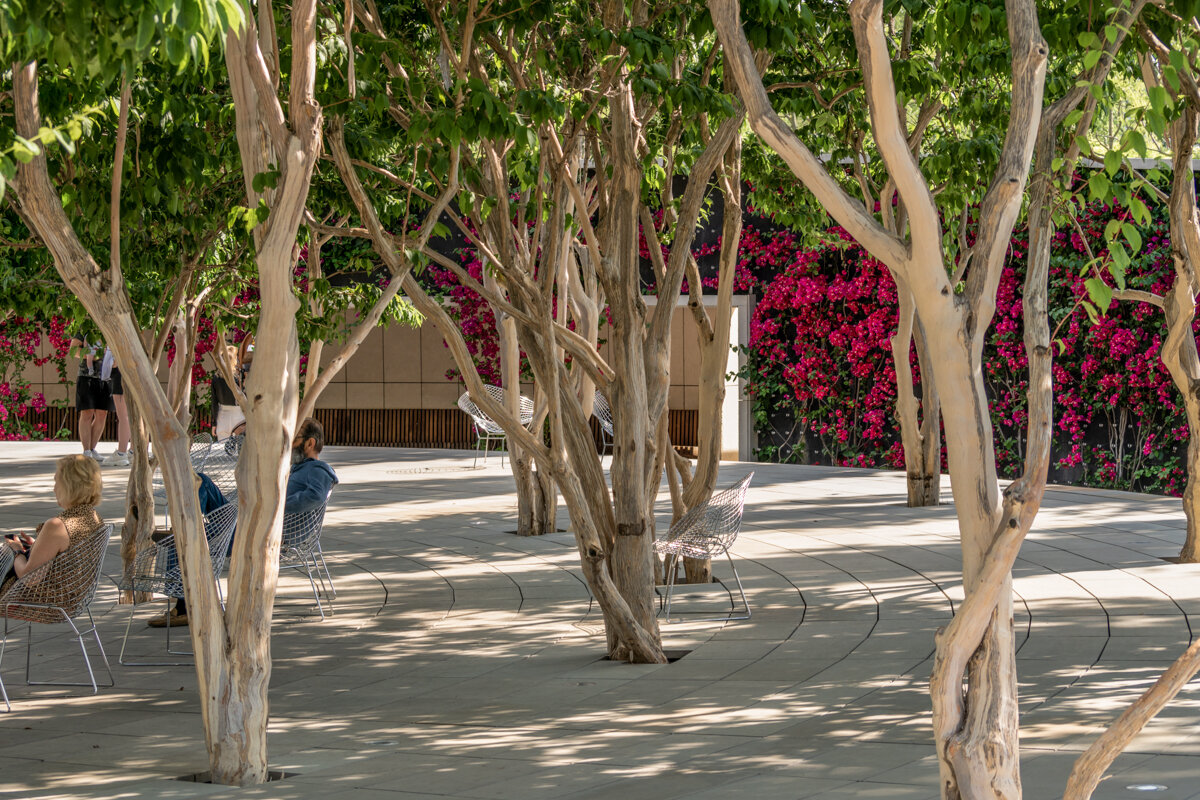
<point x="820" y="375"/>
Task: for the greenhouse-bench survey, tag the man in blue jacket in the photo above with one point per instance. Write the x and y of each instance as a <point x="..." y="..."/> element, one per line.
<point x="311" y="479"/>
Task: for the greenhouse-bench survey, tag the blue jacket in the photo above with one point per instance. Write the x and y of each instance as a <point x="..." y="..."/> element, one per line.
<point x="308" y="486"/>
<point x="211" y="497"/>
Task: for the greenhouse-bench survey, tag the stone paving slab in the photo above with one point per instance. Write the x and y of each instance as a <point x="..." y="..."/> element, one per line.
<point x="464" y="662"/>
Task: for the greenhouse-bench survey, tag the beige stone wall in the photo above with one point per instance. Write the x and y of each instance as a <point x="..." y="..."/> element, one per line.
<point x="403" y="367"/>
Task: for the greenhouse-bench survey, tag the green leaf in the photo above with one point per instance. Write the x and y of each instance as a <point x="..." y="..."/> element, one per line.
<point x="145" y="31"/>
<point x="24" y="150"/>
<point x="1112" y="162"/>
<point x="1132" y="236"/>
<point x="1091" y="58"/>
<point x="1100" y="293"/>
<point x="1091" y="311"/>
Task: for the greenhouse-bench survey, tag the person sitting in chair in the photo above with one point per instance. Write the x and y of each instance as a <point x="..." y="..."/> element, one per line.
<point x="77" y="488"/>
<point x="311" y="479"/>
<point x="211" y="499"/>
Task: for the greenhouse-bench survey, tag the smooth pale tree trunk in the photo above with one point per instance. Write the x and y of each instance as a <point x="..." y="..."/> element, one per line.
<point x="1178" y="352"/>
<point x="103" y="295"/>
<point x="291" y="143"/>
<point x="713" y="336"/>
<point x="977" y="739"/>
<point x="139" y="499"/>
<point x="921" y="434"/>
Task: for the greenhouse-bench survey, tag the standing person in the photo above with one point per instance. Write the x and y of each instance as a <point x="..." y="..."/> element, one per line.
<point x="230" y="419"/>
<point x="93" y="396"/>
<point x="111" y="372"/>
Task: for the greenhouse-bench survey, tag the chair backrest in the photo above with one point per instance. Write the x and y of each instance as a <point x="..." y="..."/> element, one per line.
<point x="524" y="405"/>
<point x="199" y="451"/>
<point x="603" y="413"/>
<point x="219" y="525"/>
<point x="301" y="533"/>
<point x="166" y="575"/>
<point x="221" y="469"/>
<point x="63" y="586"/>
<point x="481" y="421"/>
<point x="718" y="520"/>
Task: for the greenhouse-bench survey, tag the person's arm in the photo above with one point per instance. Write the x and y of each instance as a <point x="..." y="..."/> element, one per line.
<point x="52" y="540"/>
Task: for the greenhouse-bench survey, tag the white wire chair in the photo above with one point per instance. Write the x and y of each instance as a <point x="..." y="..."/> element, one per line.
<point x="199" y="452"/>
<point x="603" y="414"/>
<point x="157" y="569"/>
<point x="59" y="591"/>
<point x="300" y="549"/>
<point x="486" y="430"/>
<point x="221" y="465"/>
<point x="707" y="531"/>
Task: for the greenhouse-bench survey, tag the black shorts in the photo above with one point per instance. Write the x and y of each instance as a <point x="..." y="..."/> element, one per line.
<point x="117" y="388"/>
<point x="93" y="394"/>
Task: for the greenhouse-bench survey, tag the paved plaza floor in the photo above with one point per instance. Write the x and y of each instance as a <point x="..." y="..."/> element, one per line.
<point x="462" y="661"/>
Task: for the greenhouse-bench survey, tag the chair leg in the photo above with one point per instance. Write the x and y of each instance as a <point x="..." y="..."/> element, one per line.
<point x="3" y="691"/>
<point x="331" y="592"/>
<point x="87" y="661"/>
<point x="309" y="566"/>
<point x="169" y="650"/>
<point x="121" y="660"/>
<point x="733" y="610"/>
<point x="741" y="591"/>
<point x="672" y="569"/>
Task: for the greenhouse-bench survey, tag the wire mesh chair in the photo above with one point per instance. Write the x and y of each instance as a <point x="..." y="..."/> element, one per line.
<point x="603" y="414"/>
<point x="157" y="569"/>
<point x="486" y="430"/>
<point x="221" y="467"/>
<point x="59" y="591"/>
<point x="706" y="531"/>
<point x="300" y="549"/>
<point x="198" y="454"/>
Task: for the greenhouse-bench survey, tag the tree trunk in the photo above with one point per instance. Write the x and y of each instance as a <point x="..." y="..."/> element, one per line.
<point x="631" y="559"/>
<point x="1179" y="352"/>
<point x="978" y="749"/>
<point x="139" y="499"/>
<point x="920" y="434"/>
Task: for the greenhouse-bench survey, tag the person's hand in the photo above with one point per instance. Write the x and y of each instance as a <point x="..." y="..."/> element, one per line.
<point x="16" y="544"/>
<point x="26" y="538"/>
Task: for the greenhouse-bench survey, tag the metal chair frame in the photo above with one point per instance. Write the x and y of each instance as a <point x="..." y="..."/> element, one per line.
<point x="486" y="430"/>
<point x="157" y="569"/>
<point x="300" y="549"/>
<point x="705" y="531"/>
<point x="59" y="591"/>
<point x="603" y="414"/>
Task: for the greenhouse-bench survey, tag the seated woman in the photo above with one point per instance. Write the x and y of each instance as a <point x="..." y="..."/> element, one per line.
<point x="77" y="486"/>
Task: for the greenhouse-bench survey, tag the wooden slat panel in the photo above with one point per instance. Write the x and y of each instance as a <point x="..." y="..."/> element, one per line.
<point x="391" y="427"/>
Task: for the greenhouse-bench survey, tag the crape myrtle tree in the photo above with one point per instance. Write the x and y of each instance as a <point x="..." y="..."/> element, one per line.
<point x="975" y="729"/>
<point x="1168" y="76"/>
<point x="548" y="134"/>
<point x="974" y="681"/>
<point x="1171" y="39"/>
<point x="173" y="216"/>
<point x="231" y="645"/>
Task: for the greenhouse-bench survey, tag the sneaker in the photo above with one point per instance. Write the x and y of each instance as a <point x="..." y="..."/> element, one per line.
<point x="116" y="459"/>
<point x="92" y="454"/>
<point x="172" y="619"/>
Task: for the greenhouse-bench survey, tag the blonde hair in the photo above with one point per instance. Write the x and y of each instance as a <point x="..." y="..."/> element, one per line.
<point x="80" y="479"/>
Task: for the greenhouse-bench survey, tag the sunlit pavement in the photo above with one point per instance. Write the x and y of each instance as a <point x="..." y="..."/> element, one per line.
<point x="463" y="661"/>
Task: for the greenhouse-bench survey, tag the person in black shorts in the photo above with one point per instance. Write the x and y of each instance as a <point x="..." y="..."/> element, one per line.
<point x="93" y="396"/>
<point x="119" y="458"/>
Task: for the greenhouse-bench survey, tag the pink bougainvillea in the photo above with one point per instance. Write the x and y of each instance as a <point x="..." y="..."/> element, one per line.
<point x="20" y="341"/>
<point x="822" y="380"/>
